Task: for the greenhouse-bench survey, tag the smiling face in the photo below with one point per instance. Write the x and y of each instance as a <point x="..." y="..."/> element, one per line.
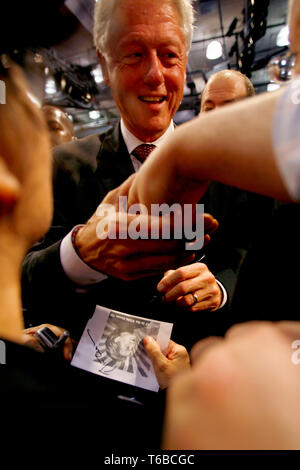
<point x="223" y="89"/>
<point x="144" y="64"/>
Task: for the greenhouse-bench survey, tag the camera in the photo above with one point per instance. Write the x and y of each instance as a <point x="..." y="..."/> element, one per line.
<point x="48" y="340"/>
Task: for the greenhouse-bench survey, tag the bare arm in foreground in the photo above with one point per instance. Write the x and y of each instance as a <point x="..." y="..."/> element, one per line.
<point x="233" y="145"/>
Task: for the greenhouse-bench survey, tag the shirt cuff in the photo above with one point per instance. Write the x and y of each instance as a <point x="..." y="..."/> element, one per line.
<point x="225" y="296"/>
<point x="76" y="269"/>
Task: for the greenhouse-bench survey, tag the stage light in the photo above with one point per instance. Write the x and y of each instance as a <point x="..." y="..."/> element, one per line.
<point x="214" y="50"/>
<point x="94" y="114"/>
<point x="50" y="86"/>
<point x="273" y="86"/>
<point x="283" y="37"/>
<point x="281" y="68"/>
<point x="97" y="74"/>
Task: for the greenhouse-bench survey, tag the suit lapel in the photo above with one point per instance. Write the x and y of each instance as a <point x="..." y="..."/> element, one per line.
<point x="114" y="162"/>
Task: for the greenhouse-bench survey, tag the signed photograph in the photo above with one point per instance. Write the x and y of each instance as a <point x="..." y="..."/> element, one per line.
<point x="112" y="346"/>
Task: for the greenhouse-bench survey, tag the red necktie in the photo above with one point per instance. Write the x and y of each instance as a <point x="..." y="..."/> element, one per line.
<point x="142" y="151"/>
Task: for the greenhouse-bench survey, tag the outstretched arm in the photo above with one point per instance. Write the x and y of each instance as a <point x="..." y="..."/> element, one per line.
<point x="167" y="367"/>
<point x="233" y="145"/>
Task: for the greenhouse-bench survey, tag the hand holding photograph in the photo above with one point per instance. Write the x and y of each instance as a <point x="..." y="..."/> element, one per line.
<point x="112" y="346"/>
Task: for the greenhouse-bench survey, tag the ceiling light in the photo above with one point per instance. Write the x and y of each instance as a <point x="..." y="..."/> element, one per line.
<point x="63" y="83"/>
<point x="273" y="86"/>
<point x="50" y="86"/>
<point x="94" y="114"/>
<point x="214" y="50"/>
<point x="97" y="74"/>
<point x="283" y="37"/>
<point x="281" y="68"/>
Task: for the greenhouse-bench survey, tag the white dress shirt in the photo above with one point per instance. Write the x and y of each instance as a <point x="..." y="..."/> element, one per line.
<point x="132" y="142"/>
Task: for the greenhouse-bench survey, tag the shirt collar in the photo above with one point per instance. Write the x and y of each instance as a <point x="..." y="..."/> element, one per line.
<point x="131" y="141"/>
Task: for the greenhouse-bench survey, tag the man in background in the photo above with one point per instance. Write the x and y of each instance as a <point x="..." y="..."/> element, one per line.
<point x="242" y="215"/>
<point x="225" y="87"/>
<point x="59" y="124"/>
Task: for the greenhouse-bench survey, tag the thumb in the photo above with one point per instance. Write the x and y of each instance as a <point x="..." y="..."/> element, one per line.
<point x="170" y="271"/>
<point x="153" y="350"/>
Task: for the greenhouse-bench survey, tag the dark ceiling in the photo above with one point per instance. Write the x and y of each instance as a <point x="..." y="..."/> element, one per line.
<point x="74" y="67"/>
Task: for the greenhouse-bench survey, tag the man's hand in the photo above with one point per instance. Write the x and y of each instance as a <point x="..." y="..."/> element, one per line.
<point x="128" y="258"/>
<point x="242" y="392"/>
<point x="104" y="243"/>
<point x="28" y="339"/>
<point x="182" y="284"/>
<point x="166" y="367"/>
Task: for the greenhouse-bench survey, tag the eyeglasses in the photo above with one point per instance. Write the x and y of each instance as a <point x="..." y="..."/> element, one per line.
<point x="281" y="68"/>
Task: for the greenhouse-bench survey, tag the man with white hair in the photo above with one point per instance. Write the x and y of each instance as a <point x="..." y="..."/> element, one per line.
<point x="142" y="48"/>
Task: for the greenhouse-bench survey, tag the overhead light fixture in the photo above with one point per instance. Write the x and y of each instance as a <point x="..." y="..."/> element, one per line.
<point x="283" y="37"/>
<point x="97" y="74"/>
<point x="63" y="83"/>
<point x="214" y="50"/>
<point x="273" y="86"/>
<point x="281" y="68"/>
<point x="94" y="114"/>
<point x="50" y="86"/>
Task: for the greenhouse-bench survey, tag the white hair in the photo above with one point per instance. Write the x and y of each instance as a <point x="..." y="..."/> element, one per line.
<point x="104" y="13"/>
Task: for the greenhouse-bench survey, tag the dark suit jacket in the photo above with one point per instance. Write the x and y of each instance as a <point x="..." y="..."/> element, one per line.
<point x="84" y="171"/>
<point x="267" y="288"/>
